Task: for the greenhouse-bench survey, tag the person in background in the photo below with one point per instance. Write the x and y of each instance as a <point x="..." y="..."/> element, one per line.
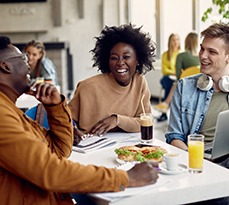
<point x="184" y="60"/>
<point x="41" y="66"/>
<point x="111" y="101"/>
<point x="34" y="167"/>
<point x="190" y="57"/>
<point x="168" y="62"/>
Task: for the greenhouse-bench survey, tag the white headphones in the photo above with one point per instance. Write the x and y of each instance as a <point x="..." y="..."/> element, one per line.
<point x="205" y="83"/>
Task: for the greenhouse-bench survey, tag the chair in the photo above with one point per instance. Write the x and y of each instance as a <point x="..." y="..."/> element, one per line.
<point x="190" y="71"/>
<point x="162" y="107"/>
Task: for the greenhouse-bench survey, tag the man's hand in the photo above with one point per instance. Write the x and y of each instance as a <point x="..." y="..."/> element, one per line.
<point x="143" y="174"/>
<point x="46" y="93"/>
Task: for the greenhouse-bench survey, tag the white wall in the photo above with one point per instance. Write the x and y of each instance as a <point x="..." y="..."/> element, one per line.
<point x="176" y="17"/>
<point x="143" y="14"/>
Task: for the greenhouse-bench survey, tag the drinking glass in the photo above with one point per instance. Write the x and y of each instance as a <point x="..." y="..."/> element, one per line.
<point x="146" y="120"/>
<point x="195" y="153"/>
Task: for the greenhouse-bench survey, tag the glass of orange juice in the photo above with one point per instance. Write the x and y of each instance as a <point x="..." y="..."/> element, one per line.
<point x="195" y="153"/>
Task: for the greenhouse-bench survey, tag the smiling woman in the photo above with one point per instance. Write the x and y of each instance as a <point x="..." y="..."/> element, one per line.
<point x="122" y="63"/>
<point x="113" y="99"/>
<point x="40" y="65"/>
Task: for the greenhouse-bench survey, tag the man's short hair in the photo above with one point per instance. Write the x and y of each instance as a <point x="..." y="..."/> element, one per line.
<point x="4" y="42"/>
<point x="218" y="30"/>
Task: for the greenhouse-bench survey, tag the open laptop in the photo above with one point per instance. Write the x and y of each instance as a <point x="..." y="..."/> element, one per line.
<point x="220" y="145"/>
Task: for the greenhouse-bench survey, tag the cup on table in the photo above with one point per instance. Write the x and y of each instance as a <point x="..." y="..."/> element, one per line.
<point x="146" y="121"/>
<point x="195" y="153"/>
<point x="171" y="161"/>
<point x="40" y="79"/>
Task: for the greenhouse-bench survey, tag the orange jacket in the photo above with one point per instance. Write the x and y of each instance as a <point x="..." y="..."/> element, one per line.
<point x="33" y="161"/>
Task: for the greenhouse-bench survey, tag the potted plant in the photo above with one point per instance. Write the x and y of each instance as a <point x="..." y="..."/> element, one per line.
<point x="222" y="7"/>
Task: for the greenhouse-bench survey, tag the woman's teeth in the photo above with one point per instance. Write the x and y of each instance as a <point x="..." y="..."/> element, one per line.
<point x="122" y="70"/>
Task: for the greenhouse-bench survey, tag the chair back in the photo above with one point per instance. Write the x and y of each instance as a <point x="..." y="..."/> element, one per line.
<point x="190" y="71"/>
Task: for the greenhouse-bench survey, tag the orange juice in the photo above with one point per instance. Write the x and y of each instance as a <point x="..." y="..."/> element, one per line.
<point x="196" y="154"/>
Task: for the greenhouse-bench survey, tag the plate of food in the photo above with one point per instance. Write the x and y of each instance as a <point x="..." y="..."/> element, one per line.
<point x="138" y="154"/>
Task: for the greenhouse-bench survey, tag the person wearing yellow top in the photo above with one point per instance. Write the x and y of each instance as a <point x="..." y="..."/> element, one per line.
<point x="168" y="62"/>
<point x="187" y="59"/>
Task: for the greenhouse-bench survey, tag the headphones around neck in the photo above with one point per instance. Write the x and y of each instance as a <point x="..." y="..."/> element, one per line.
<point x="205" y="83"/>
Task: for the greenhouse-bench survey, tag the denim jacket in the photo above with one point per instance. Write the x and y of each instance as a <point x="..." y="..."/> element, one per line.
<point x="188" y="109"/>
<point x="48" y="70"/>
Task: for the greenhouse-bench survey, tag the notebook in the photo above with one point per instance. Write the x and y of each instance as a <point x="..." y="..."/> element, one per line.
<point x="93" y="143"/>
<point x="220" y="145"/>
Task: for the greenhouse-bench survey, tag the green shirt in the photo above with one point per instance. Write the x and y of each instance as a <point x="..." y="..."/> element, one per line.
<point x="218" y="104"/>
<point x="185" y="60"/>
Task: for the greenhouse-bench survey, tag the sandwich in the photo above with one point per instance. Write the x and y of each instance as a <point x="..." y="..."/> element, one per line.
<point x="140" y="154"/>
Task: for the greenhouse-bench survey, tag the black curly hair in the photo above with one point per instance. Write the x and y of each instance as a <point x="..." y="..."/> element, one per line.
<point x="128" y="33"/>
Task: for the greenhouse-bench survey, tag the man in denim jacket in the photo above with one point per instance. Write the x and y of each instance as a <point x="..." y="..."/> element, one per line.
<point x="199" y="99"/>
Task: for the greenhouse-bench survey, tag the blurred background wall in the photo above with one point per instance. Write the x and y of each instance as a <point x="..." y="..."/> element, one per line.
<point x="68" y="28"/>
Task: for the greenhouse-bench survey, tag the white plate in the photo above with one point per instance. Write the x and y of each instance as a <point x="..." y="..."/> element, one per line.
<point x="120" y="161"/>
<point x="127" y="166"/>
<point x="182" y="168"/>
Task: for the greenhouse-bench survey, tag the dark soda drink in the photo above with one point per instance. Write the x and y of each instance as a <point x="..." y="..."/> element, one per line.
<point x="146" y="121"/>
<point x="147" y="133"/>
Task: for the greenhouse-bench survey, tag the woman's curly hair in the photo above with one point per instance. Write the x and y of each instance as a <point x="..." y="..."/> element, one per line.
<point x="128" y="33"/>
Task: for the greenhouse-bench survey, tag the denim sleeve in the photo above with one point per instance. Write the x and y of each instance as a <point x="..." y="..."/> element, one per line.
<point x="172" y="136"/>
<point x="187" y="109"/>
<point x="48" y="70"/>
<point x="175" y="129"/>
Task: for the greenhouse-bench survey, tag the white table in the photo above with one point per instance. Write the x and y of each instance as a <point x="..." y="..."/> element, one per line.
<point x="183" y="188"/>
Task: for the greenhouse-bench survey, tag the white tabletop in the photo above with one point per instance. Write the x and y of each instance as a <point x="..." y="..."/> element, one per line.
<point x="182" y="188"/>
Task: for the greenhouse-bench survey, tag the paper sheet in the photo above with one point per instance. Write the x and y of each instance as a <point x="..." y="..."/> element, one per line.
<point x="113" y="196"/>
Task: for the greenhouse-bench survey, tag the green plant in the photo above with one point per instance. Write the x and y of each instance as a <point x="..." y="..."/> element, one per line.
<point x="222" y="8"/>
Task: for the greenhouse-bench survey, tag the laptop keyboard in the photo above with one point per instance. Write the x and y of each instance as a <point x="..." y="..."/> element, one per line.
<point x="208" y="151"/>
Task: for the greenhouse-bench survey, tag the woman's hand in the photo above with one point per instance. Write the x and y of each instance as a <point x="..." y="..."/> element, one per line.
<point x="78" y="136"/>
<point x="103" y="126"/>
<point x="46" y="93"/>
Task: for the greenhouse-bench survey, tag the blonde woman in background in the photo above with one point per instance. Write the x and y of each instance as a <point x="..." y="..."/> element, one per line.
<point x="184" y="60"/>
<point x="168" y="62"/>
<point x="40" y="65"/>
<point x="190" y="57"/>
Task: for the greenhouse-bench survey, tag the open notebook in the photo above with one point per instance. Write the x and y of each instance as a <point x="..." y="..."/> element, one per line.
<point x="93" y="143"/>
<point x="220" y="145"/>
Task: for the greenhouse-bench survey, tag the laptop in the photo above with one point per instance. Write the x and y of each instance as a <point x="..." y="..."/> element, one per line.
<point x="220" y="145"/>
